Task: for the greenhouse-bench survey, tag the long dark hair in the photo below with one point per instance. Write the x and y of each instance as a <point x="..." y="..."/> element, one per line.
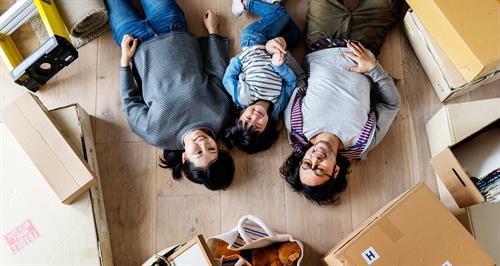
<point x="324" y="194"/>
<point x="218" y="175"/>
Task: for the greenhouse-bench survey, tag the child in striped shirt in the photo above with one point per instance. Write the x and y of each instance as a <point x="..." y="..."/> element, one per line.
<point x="258" y="79"/>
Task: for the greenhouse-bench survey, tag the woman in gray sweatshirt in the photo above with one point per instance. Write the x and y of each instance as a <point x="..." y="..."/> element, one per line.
<point x="350" y="101"/>
<point x="171" y="87"/>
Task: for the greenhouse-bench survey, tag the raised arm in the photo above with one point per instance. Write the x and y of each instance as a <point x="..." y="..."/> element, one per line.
<point x="289" y="83"/>
<point x="387" y="102"/>
<point x="132" y="102"/>
<point x="217" y="47"/>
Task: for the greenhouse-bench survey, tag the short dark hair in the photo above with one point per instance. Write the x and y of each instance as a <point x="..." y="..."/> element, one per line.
<point x="324" y="194"/>
<point x="217" y="175"/>
<point x="250" y="141"/>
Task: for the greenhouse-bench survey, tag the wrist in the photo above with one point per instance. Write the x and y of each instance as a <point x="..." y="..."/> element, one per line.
<point x="125" y="62"/>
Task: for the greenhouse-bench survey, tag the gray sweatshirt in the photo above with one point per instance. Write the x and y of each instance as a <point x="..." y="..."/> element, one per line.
<point x="338" y="101"/>
<point x="181" y="82"/>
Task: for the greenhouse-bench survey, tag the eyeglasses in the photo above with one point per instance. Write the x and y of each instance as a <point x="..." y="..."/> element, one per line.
<point x="306" y="164"/>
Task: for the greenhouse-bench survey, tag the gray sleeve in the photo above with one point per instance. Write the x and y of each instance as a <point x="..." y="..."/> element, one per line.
<point x="217" y="55"/>
<point x="387" y="102"/>
<point x="133" y="104"/>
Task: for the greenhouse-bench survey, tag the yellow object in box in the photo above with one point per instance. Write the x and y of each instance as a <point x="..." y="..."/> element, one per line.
<point x="413" y="229"/>
<point x="468" y="31"/>
<point x="37" y="229"/>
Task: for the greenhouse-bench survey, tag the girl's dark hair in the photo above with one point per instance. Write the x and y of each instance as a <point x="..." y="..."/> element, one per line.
<point x="250" y="141"/>
<point x="324" y="194"/>
<point x="218" y="175"/>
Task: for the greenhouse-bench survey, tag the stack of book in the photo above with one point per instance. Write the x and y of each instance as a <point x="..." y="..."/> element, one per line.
<point x="489" y="186"/>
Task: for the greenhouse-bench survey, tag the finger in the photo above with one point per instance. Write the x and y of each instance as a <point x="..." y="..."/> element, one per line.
<point x="352" y="69"/>
<point x="352" y="56"/>
<point x="134" y="45"/>
<point x="355" y="48"/>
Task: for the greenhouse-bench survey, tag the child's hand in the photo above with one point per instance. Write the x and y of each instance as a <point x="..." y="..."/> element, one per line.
<point x="276" y="45"/>
<point x="211" y="22"/>
<point x="365" y="62"/>
<point x="278" y="59"/>
<point x="129" y="45"/>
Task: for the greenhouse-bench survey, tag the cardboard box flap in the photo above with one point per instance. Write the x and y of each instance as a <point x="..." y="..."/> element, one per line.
<point x="456" y="180"/>
<point x="483" y="219"/>
<point x="350" y="237"/>
<point x="58" y="159"/>
<point x="466" y="118"/>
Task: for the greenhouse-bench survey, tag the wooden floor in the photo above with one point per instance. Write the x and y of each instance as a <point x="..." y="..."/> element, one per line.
<point x="148" y="211"/>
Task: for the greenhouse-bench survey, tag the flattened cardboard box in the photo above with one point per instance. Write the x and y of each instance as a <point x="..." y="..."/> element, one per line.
<point x="76" y="126"/>
<point x="39" y="229"/>
<point x="413" y="229"/>
<point x="452" y="124"/>
<point x="468" y="32"/>
<point x="65" y="170"/>
<point x="447" y="81"/>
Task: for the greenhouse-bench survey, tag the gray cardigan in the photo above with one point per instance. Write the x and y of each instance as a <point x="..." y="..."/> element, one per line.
<point x="181" y="82"/>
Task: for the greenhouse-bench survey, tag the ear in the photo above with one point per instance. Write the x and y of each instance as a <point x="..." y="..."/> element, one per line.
<point x="184" y="157"/>
<point x="336" y="171"/>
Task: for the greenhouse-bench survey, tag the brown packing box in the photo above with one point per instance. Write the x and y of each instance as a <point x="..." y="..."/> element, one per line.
<point x="57" y="159"/>
<point x="468" y="32"/>
<point x="452" y="124"/>
<point x="76" y="126"/>
<point x="457" y="178"/>
<point x="413" y="229"/>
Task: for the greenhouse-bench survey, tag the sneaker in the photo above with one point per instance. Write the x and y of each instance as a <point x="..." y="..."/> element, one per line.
<point x="237" y="8"/>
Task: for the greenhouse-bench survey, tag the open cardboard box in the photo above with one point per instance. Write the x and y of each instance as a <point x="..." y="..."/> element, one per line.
<point x="447" y="81"/>
<point x="39" y="229"/>
<point x="463" y="142"/>
<point x="468" y="32"/>
<point x="452" y="124"/>
<point x="56" y="158"/>
<point x="413" y="229"/>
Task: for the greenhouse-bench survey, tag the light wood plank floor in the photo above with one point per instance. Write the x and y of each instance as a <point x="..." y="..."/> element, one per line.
<point x="148" y="211"/>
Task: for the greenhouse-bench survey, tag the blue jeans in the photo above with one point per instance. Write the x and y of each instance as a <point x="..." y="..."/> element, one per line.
<point x="274" y="22"/>
<point x="162" y="16"/>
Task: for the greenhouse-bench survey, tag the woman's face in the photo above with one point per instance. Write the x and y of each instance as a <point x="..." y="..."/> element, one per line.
<point x="255" y="116"/>
<point x="200" y="149"/>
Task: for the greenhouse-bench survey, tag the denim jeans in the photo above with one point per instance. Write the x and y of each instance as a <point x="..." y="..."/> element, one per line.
<point x="162" y="16"/>
<point x="274" y="22"/>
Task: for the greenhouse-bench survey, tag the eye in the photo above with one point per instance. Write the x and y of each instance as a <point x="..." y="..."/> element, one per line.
<point x="198" y="152"/>
<point x="247" y="118"/>
<point x="212" y="149"/>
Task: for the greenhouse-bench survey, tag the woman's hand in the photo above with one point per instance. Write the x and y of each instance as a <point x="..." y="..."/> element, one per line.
<point x="129" y="45"/>
<point x="211" y="22"/>
<point x="365" y="62"/>
<point x="276" y="45"/>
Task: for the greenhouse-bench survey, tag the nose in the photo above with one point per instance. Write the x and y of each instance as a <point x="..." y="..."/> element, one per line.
<point x="314" y="161"/>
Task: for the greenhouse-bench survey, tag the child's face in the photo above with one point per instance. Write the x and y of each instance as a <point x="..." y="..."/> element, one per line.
<point x="255" y="116"/>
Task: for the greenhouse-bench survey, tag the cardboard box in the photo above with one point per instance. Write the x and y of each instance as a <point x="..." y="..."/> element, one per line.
<point x="483" y="221"/>
<point x="468" y="32"/>
<point x="58" y="160"/>
<point x="447" y="81"/>
<point x="413" y="229"/>
<point x="39" y="229"/>
<point x="464" y="141"/>
<point x="76" y="126"/>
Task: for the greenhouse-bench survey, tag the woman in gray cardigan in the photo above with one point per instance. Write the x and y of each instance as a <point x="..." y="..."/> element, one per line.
<point x="173" y="95"/>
